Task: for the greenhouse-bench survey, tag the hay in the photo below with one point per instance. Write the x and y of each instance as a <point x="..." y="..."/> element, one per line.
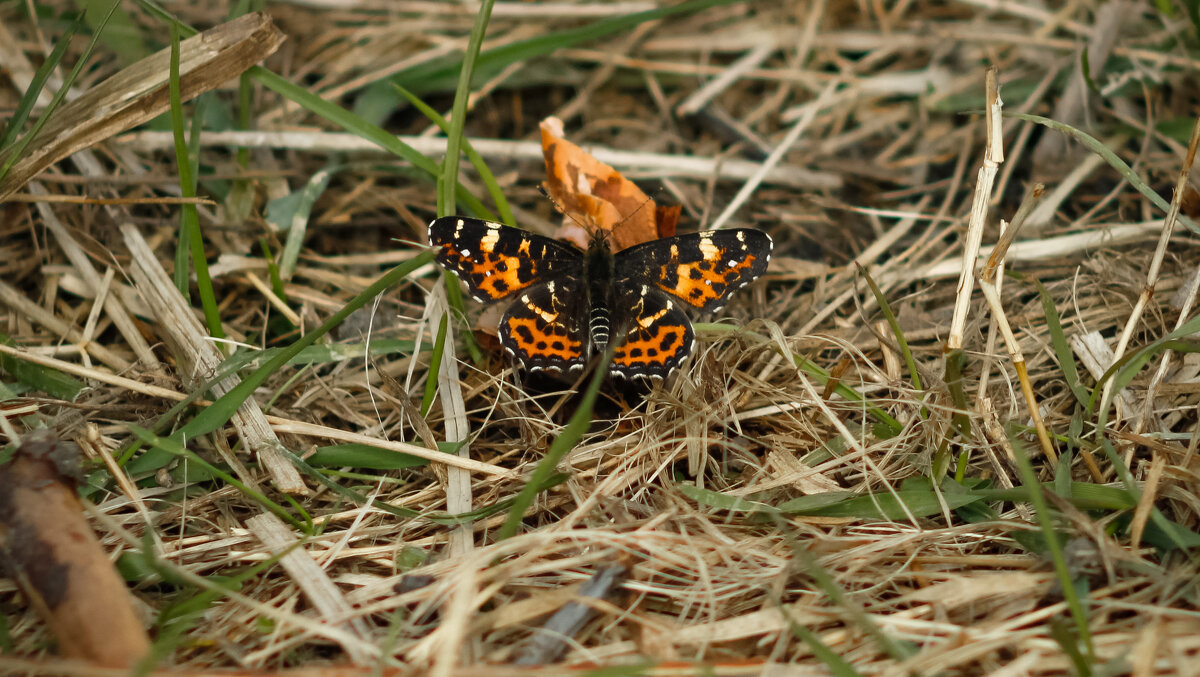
<point x="827" y="480"/>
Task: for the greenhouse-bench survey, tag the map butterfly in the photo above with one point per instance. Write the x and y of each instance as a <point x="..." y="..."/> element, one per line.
<point x="568" y="304"/>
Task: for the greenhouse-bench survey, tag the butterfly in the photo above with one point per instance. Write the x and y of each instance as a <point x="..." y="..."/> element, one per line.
<point x="568" y="303"/>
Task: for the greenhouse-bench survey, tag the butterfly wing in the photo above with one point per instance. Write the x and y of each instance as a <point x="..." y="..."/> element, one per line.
<point x="546" y="327"/>
<point x="497" y="261"/>
<point x="657" y="335"/>
<point x="700" y="269"/>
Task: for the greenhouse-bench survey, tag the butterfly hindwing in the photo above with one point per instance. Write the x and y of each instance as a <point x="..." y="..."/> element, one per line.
<point x="546" y="327"/>
<point x="496" y="261"/>
<point x="657" y="335"/>
<point x="700" y="269"/>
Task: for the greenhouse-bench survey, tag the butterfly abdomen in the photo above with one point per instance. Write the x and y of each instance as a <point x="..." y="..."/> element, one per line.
<point x="599" y="275"/>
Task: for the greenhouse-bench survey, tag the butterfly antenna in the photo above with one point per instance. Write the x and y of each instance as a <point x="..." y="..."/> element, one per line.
<point x="645" y="202"/>
<point x="558" y="205"/>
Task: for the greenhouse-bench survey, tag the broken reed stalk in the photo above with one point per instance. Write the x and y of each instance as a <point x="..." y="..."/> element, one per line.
<point x="138" y="93"/>
<point x="993" y="156"/>
<point x="989" y="283"/>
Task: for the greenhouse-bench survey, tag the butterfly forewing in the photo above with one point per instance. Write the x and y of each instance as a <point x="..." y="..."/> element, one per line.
<point x="700" y="269"/>
<point x="496" y="261"/>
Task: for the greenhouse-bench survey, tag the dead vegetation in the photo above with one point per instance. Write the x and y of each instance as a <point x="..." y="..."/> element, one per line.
<point x="831" y="484"/>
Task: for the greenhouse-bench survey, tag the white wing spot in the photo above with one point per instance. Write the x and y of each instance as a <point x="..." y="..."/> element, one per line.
<point x="487" y="243"/>
<point x="645" y="322"/>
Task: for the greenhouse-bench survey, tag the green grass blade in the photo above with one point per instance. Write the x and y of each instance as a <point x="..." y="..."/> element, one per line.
<point x="1083" y="495"/>
<point x="1111" y="158"/>
<point x="362" y="456"/>
<point x="120" y="35"/>
<point x="349" y="494"/>
<point x="449" y="170"/>
<point x="190" y="237"/>
<point x="50" y="381"/>
<point x="449" y="176"/>
<point x="273" y="270"/>
<point x="290" y="214"/>
<point x="435" y="365"/>
<point x="323" y="354"/>
<point x="898" y="650"/>
<point x="837" y="665"/>
<point x="1045" y="520"/>
<point x="715" y="499"/>
<point x="566" y="441"/>
<point x="476" y="160"/>
<point x="1058" y="339"/>
<point x="887" y="505"/>
<point x="356" y="125"/>
<point x="18" y="149"/>
<point x="894" y="325"/>
<point x="170" y="445"/>
<point x="1067" y="641"/>
<point x="30" y="96"/>
<point x="217" y="414"/>
<point x="961" y="423"/>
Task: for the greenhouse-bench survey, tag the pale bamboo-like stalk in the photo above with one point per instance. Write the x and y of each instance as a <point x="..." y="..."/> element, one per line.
<point x="989" y="282"/>
<point x="988" y="277"/>
<point x="1014" y="351"/>
<point x="992" y="157"/>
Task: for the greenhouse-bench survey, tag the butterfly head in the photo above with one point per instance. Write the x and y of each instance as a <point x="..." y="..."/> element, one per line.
<point x="599" y="240"/>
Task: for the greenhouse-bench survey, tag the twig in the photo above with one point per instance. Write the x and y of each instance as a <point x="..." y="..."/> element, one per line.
<point x="989" y="282"/>
<point x="629" y="162"/>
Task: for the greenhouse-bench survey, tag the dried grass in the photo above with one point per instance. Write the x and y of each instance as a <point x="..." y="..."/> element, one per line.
<point x="851" y="133"/>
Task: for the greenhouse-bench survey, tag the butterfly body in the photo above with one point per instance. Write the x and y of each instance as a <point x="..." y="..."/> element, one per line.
<point x="599" y="272"/>
<point x="568" y="304"/>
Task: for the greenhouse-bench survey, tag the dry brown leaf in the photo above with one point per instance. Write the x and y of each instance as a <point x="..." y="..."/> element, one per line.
<point x="598" y="196"/>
